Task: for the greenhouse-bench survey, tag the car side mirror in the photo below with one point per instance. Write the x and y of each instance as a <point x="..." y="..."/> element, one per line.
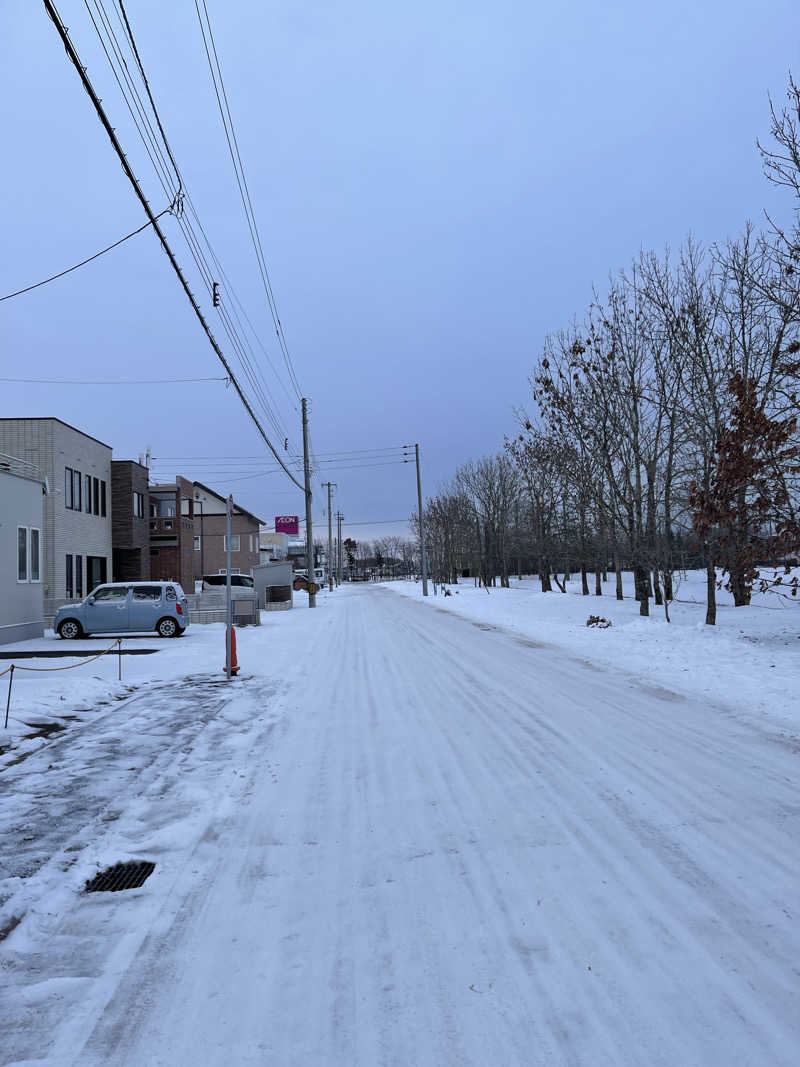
<point x="90" y="600"/>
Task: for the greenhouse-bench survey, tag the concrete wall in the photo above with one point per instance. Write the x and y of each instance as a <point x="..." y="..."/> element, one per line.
<point x="269" y="575"/>
<point x="21" y="602"/>
<point x="53" y="446"/>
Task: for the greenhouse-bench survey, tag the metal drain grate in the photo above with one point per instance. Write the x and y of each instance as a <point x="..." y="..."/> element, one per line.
<point x="121" y="876"/>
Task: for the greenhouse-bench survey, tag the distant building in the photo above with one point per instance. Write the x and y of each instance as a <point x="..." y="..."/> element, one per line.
<point x="130" y="521"/>
<point x="209" y="535"/>
<point x="171" y="523"/>
<point x="21" y="557"/>
<point x="77" y="543"/>
<point x="272" y="546"/>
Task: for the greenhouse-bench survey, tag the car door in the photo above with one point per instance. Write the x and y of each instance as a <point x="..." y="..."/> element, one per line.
<point x="146" y="606"/>
<point x="107" y="610"/>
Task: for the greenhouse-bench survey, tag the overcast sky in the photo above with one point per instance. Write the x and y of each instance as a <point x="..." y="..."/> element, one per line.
<point x="437" y="185"/>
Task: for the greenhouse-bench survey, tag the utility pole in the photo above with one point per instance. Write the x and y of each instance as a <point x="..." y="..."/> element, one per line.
<point x="423" y="560"/>
<point x="228" y="602"/>
<point x="330" y="486"/>
<point x="339" y="518"/>
<point x="312" y="600"/>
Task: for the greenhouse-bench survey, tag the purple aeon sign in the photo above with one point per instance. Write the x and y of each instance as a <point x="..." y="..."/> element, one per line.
<point x="288" y="524"/>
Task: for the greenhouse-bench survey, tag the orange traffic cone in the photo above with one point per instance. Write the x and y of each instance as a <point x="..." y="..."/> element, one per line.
<point x="234" y="661"/>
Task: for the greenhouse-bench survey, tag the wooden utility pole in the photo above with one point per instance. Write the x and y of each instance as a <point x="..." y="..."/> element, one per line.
<point x="330" y="486"/>
<point x="312" y="599"/>
<point x="423" y="560"/>
<point x="339" y="518"/>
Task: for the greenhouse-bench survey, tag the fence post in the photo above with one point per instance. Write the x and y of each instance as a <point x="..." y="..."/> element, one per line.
<point x="8" y="702"/>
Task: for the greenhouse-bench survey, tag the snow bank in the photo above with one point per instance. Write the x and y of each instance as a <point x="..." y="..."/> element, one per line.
<point x="749" y="660"/>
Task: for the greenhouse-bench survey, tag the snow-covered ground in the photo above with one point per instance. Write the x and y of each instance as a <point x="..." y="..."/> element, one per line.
<point x="402" y="836"/>
<point x="749" y="660"/>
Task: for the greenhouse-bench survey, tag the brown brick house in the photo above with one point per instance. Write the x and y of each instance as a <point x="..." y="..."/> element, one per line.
<point x="172" y="533"/>
<point x="130" y="525"/>
<point x="209" y="535"/>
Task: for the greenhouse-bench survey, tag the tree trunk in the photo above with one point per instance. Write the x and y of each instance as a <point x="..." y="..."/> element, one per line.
<point x="668" y="590"/>
<point x="711" y="592"/>
<point x="739" y="587"/>
<point x="618" y="577"/>
<point x="641" y="581"/>
<point x="584" y="579"/>
<point x="598" y="582"/>
<point x="544" y="575"/>
<point x="657" y="589"/>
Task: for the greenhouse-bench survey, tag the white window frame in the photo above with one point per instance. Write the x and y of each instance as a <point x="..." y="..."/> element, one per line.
<point x="26" y="532"/>
<point x="236" y="542"/>
<point x="28" y="578"/>
<point x="38" y="579"/>
<point x="197" y="542"/>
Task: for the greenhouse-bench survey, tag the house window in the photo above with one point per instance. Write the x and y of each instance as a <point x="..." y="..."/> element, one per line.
<point x="234" y="542"/>
<point x="68" y="472"/>
<point x="95" y="496"/>
<point x="68" y="583"/>
<point x="103" y="499"/>
<point x="138" y="505"/>
<point x="96" y="572"/>
<point x="197" y="544"/>
<point x="35" y="555"/>
<point x="22" y="554"/>
<point x="76" y="490"/>
<point x="186" y="506"/>
<point x="79" y="577"/>
<point x="88" y="494"/>
<point x="167" y="524"/>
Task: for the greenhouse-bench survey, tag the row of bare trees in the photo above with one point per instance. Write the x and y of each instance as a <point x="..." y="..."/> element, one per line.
<point x="661" y="430"/>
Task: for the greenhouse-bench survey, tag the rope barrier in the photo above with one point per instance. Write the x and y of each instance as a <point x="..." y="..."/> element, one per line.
<point x="71" y="666"/>
<point x="41" y="670"/>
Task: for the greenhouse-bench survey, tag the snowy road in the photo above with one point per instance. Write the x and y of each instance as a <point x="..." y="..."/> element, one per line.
<point x="454" y="846"/>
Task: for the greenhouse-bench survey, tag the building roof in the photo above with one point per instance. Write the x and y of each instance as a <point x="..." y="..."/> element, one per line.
<point x="238" y="507"/>
<point x="52" y="418"/>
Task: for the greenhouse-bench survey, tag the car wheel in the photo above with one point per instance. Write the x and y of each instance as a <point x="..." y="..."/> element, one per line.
<point x="69" y="629"/>
<point x="167" y="628"/>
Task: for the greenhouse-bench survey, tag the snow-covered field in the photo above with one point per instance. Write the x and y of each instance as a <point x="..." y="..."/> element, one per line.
<point x="403" y="836"/>
<point x="750" y="659"/>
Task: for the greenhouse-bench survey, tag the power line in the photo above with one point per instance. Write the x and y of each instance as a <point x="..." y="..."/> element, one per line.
<point x="75" y="59"/>
<point x="83" y="262"/>
<point x="131" y="39"/>
<point x="121" y="381"/>
<point x="177" y="187"/>
<point x="241" y="180"/>
<point x="240" y="459"/>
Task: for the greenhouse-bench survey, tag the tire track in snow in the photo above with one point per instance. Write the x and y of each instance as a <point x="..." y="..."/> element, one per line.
<point x="476" y="852"/>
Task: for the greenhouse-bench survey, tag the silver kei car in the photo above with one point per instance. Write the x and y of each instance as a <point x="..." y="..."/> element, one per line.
<point x="126" y="607"/>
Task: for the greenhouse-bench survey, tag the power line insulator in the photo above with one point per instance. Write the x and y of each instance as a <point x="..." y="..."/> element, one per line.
<point x="215" y="295"/>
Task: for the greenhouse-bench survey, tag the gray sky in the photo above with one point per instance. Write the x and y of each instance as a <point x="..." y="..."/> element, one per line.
<point x="437" y="186"/>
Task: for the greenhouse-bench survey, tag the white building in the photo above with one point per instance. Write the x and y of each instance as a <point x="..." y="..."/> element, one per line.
<point x="21" y="521"/>
<point x="272" y="546"/>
